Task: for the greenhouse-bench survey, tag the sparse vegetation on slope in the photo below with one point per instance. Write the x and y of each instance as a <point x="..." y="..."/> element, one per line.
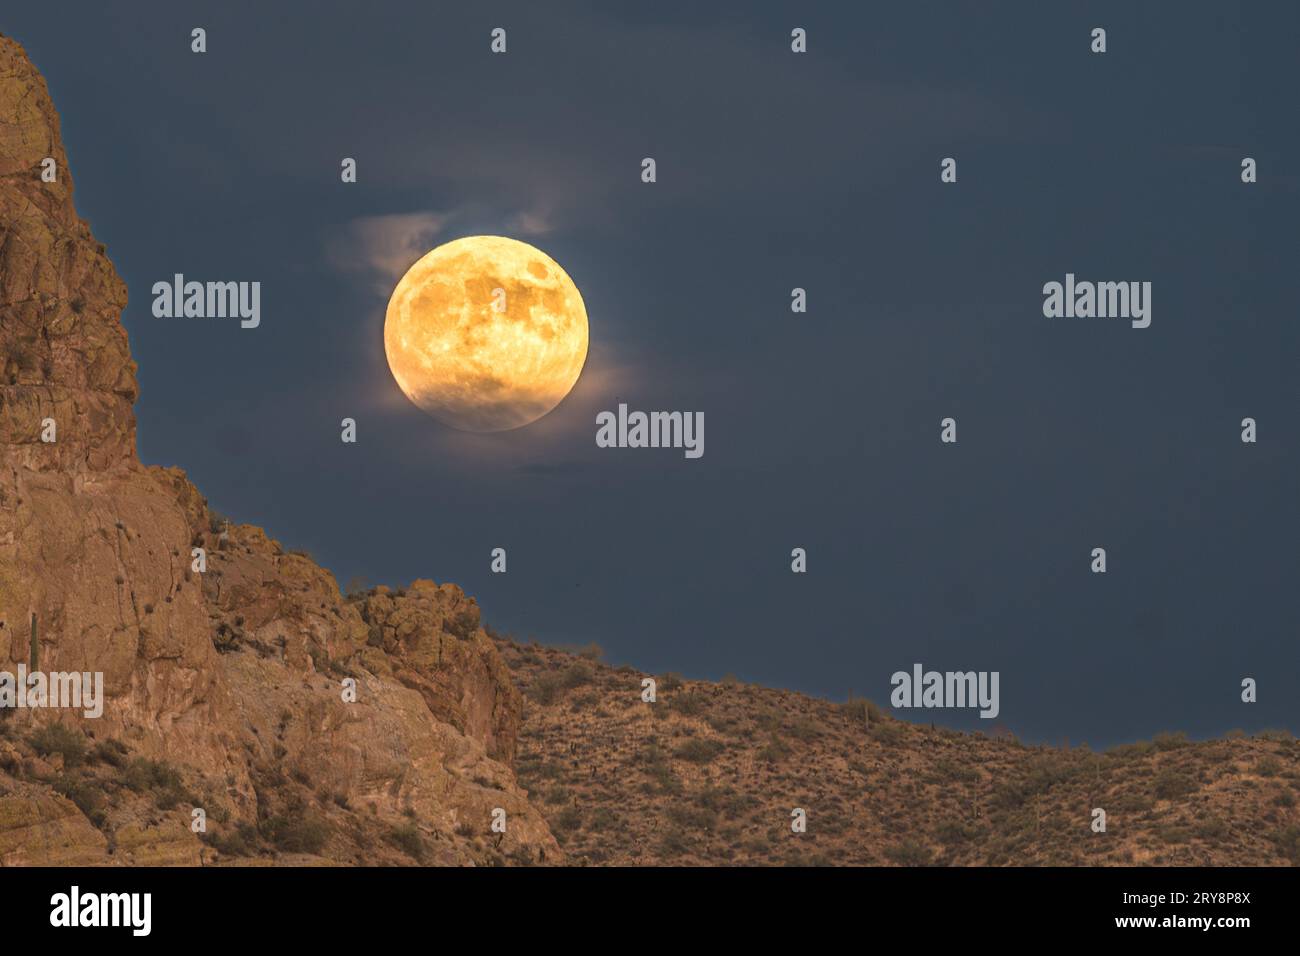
<point x="709" y="774"/>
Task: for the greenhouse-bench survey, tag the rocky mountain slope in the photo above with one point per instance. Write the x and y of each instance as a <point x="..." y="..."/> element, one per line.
<point x="710" y="773"/>
<point x="224" y="688"/>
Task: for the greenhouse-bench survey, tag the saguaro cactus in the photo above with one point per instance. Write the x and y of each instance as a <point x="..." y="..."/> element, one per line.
<point x="36" y="647"/>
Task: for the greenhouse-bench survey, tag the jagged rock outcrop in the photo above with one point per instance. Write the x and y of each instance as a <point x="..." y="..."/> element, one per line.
<point x="431" y="636"/>
<point x="41" y="828"/>
<point x="225" y="687"/>
<point x="65" y="352"/>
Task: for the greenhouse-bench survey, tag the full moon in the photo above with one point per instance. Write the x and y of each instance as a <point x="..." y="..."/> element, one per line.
<point x="486" y="333"/>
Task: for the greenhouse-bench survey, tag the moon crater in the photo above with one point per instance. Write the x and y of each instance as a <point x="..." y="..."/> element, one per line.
<point x="486" y="333"/>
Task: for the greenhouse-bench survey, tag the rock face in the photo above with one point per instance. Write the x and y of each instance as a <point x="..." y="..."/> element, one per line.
<point x="65" y="353"/>
<point x="224" y="688"/>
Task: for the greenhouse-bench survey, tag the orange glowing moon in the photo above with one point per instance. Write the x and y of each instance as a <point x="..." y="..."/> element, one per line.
<point x="486" y="333"/>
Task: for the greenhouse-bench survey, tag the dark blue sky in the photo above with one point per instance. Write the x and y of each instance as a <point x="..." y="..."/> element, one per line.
<point x="775" y="171"/>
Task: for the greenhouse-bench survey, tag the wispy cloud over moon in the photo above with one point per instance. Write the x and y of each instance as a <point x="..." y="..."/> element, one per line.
<point x="381" y="248"/>
<point x="384" y="247"/>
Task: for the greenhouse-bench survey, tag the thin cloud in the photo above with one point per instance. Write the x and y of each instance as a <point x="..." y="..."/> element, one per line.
<point x="384" y="247"/>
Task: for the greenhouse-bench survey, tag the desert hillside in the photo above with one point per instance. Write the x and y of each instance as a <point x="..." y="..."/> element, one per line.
<point x="710" y="773"/>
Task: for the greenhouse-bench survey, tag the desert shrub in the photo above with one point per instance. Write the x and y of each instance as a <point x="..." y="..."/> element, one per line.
<point x="465" y="623"/>
<point x="1212" y="830"/>
<point x="111" y="752"/>
<point x="297" y="834"/>
<point x="670" y="681"/>
<point x="1039" y="777"/>
<point x="1171" y="784"/>
<point x="1139" y="749"/>
<point x="890" y="733"/>
<point x="142" y="774"/>
<point x="546" y="689"/>
<point x="1046" y="773"/>
<point x="576" y="674"/>
<point x="952" y="771"/>
<point x="952" y="832"/>
<point x="1173" y="834"/>
<point x="673" y="843"/>
<point x="59" y="739"/>
<point x="689" y="817"/>
<point x="860" y="710"/>
<point x="1132" y="801"/>
<point x="409" y="840"/>
<point x="1268" y="766"/>
<point x="22" y="354"/>
<point x="723" y="723"/>
<point x="1171" y="741"/>
<point x="665" y="780"/>
<point x="698" y="750"/>
<point x="568" y="820"/>
<point x="656" y="764"/>
<point x="226" y="640"/>
<point x="550" y="770"/>
<point x="241" y="840"/>
<point x="908" y="853"/>
<point x="804" y="728"/>
<point x="88" y="798"/>
<point x="687" y="704"/>
<point x="775" y="750"/>
<point x="1288" y="842"/>
<point x="1276" y="735"/>
<point x="558" y="795"/>
<point x="157" y="777"/>
<point x="726" y="801"/>
<point x="217" y="521"/>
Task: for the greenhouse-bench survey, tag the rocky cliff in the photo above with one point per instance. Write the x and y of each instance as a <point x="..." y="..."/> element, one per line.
<point x="224" y="686"/>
